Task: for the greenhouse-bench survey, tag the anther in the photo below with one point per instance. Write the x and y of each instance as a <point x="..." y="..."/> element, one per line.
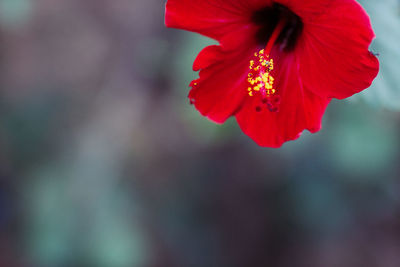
<point x="259" y="76"/>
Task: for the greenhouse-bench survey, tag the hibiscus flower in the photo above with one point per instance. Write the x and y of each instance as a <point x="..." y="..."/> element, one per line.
<point x="278" y="63"/>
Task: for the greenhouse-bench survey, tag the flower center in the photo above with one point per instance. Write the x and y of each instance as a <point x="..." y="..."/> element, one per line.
<point x="278" y="25"/>
<point x="260" y="78"/>
<point x="268" y="19"/>
<point x="261" y="81"/>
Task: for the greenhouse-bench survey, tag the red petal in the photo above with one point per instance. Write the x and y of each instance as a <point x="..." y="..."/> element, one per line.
<point x="333" y="51"/>
<point x="307" y="9"/>
<point x="299" y="108"/>
<point x="222" y="85"/>
<point x="238" y="41"/>
<point x="212" y="18"/>
<point x="208" y="56"/>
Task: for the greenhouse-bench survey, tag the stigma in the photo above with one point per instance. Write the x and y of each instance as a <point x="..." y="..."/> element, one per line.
<point x="261" y="82"/>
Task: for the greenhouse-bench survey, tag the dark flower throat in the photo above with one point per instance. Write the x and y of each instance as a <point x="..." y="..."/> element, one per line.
<point x="269" y="17"/>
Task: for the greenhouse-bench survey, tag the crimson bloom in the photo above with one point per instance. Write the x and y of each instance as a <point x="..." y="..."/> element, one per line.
<point x="278" y="63"/>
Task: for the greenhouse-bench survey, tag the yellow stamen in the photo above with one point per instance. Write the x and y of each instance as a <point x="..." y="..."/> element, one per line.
<point x="260" y="68"/>
<point x="260" y="77"/>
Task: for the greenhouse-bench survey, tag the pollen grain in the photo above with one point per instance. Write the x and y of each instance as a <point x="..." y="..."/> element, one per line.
<point x="261" y="82"/>
<point x="259" y="77"/>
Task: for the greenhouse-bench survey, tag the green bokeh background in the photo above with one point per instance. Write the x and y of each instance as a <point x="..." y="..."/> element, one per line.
<point x="103" y="162"/>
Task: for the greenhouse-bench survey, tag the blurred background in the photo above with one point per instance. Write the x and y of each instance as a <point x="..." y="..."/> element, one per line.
<point x="104" y="163"/>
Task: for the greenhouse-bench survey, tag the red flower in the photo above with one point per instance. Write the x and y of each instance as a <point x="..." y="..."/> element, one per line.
<point x="279" y="62"/>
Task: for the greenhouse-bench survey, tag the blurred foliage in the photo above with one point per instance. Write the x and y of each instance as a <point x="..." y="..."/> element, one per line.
<point x="14" y="13"/>
<point x="385" y="19"/>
